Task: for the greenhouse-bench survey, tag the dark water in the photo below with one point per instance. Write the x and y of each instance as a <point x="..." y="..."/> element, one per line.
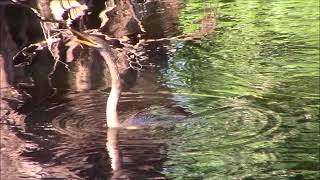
<point x="249" y="92"/>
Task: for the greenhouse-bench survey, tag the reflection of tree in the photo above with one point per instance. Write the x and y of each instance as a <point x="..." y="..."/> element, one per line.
<point x="198" y="16"/>
<point x="159" y="18"/>
<point x="256" y="82"/>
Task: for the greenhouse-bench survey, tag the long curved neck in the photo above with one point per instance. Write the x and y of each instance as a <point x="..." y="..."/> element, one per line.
<point x="114" y="96"/>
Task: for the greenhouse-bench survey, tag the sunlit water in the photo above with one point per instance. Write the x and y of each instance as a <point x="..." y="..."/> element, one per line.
<point x="248" y="94"/>
<point x="256" y="83"/>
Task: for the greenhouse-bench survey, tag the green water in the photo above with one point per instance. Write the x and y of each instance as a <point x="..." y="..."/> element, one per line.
<point x="255" y="84"/>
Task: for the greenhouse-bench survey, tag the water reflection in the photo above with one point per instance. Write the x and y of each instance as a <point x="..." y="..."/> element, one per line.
<point x="255" y="81"/>
<point x="159" y="18"/>
<point x="139" y="156"/>
<point x="69" y="131"/>
<point x="73" y="142"/>
<point x="252" y="87"/>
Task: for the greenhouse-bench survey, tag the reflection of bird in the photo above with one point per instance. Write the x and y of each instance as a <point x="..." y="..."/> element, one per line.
<point x="106" y="52"/>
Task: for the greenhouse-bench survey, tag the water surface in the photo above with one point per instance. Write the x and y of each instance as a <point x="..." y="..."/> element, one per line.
<point x="248" y="92"/>
<point x="255" y="82"/>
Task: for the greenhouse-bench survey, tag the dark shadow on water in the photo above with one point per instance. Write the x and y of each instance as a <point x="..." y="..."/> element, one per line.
<point x="72" y="141"/>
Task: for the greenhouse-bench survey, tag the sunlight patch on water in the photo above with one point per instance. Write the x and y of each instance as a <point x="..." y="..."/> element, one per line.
<point x="255" y="84"/>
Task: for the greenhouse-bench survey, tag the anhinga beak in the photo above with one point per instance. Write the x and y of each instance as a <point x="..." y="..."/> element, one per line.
<point x="85" y="39"/>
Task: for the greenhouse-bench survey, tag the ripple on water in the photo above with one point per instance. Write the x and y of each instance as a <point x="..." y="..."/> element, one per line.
<point x="84" y="114"/>
<point x="79" y="144"/>
<point x="238" y="122"/>
<point x="242" y="136"/>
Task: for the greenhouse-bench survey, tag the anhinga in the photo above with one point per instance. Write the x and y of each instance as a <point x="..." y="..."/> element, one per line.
<point x="109" y="56"/>
<point x="105" y="50"/>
